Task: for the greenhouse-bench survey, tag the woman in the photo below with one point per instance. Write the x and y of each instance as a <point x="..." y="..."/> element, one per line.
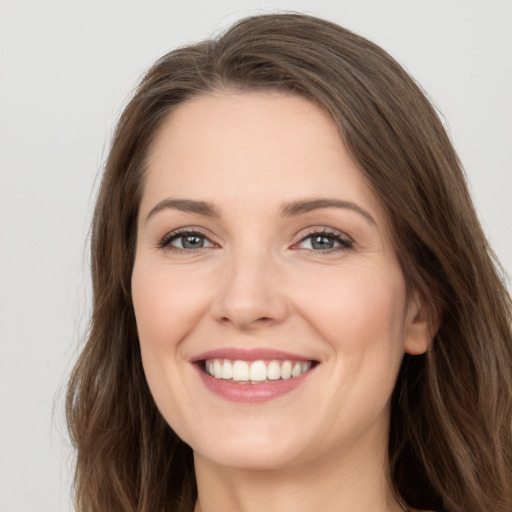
<point x="294" y="304"/>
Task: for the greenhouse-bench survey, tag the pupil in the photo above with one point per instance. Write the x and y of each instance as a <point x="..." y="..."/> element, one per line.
<point x="192" y="242"/>
<point x="322" y="242"/>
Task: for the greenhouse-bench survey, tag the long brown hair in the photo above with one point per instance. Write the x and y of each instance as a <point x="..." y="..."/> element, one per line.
<point x="451" y="427"/>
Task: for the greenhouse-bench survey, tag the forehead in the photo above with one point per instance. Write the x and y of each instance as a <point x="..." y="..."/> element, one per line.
<point x="252" y="148"/>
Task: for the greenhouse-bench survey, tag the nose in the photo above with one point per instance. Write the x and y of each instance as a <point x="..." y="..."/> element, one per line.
<point x="251" y="294"/>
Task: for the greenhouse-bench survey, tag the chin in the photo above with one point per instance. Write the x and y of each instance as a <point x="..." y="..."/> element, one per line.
<point x="253" y="451"/>
<point x="252" y="460"/>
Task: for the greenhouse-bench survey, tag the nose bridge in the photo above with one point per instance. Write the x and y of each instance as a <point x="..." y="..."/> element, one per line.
<point x="251" y="293"/>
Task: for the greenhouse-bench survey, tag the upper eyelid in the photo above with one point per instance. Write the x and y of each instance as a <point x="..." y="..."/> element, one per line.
<point x="326" y="231"/>
<point x="186" y="230"/>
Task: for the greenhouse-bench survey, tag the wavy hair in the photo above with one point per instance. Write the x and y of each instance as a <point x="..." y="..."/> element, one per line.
<point x="450" y="443"/>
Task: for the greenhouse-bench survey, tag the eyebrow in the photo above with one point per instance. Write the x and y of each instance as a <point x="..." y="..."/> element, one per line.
<point x="300" y="207"/>
<point x="291" y="209"/>
<point x="185" y="205"/>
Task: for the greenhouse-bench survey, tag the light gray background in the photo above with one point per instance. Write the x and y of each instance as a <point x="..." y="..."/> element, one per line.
<point x="66" y="69"/>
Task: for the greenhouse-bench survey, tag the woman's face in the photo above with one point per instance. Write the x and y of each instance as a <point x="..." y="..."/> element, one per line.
<point x="271" y="308"/>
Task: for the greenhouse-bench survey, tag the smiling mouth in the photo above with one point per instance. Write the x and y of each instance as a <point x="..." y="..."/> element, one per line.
<point x="255" y="372"/>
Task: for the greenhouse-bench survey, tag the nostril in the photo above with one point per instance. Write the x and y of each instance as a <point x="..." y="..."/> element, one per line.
<point x="264" y="319"/>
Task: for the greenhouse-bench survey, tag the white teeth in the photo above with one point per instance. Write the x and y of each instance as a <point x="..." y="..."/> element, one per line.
<point x="257" y="371"/>
<point x="240" y="371"/>
<point x="273" y="371"/>
<point x="227" y="370"/>
<point x="297" y="369"/>
<point x="286" y="370"/>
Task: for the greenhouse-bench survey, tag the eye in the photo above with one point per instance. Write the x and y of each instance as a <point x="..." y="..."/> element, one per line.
<point x="185" y="240"/>
<point x="325" y="241"/>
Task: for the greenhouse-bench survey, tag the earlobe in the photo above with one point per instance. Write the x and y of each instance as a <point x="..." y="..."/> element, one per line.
<point x="422" y="325"/>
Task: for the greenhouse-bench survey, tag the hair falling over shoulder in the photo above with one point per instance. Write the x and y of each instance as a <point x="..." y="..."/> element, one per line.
<point x="450" y="444"/>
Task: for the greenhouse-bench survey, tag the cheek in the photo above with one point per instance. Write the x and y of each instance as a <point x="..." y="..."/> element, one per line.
<point x="361" y="318"/>
<point x="360" y="312"/>
<point x="168" y="305"/>
<point x="167" y="302"/>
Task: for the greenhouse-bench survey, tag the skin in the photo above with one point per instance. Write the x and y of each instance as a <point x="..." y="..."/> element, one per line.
<point x="258" y="282"/>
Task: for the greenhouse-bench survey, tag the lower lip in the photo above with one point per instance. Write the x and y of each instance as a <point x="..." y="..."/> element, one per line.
<point x="251" y="393"/>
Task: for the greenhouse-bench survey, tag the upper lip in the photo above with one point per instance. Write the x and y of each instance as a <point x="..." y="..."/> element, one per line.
<point x="244" y="354"/>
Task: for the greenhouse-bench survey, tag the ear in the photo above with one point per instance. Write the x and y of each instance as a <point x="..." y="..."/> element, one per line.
<point x="421" y="325"/>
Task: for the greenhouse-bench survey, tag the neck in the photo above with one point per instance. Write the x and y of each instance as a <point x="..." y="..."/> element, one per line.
<point x="357" y="483"/>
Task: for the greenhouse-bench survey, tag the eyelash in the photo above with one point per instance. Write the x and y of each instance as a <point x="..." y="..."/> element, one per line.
<point x="344" y="242"/>
<point x="165" y="243"/>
